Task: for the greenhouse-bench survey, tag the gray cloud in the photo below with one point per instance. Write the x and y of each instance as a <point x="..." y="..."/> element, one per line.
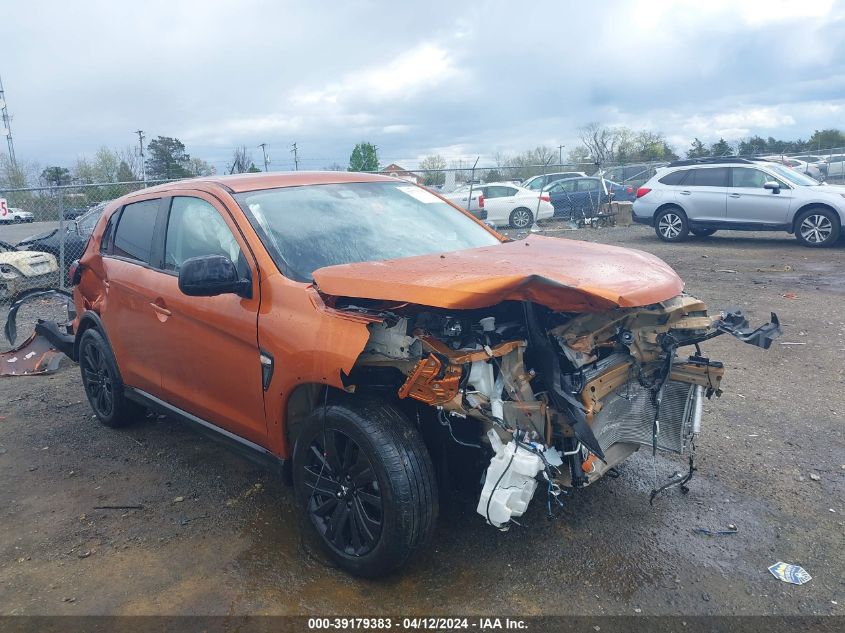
<point x="413" y="77"/>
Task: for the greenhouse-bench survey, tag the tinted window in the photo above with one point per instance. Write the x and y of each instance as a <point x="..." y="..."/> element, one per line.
<point x="134" y="235"/>
<point x="563" y="186"/>
<point x="105" y="242"/>
<point x="195" y="228"/>
<point x="498" y="192"/>
<point x="306" y="228"/>
<point x="716" y="177"/>
<point x="674" y="178"/>
<point x="588" y="185"/>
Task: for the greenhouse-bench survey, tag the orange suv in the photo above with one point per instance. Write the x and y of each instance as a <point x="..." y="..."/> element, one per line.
<point x="360" y="329"/>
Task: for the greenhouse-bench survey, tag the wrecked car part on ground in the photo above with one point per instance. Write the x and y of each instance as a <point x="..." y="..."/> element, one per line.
<point x="42" y="351"/>
<point x="561" y="397"/>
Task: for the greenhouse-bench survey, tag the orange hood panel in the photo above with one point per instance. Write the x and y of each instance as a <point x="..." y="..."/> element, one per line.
<point x="563" y="275"/>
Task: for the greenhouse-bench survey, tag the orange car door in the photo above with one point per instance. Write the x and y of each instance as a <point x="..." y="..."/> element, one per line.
<point x="128" y="287"/>
<point x="208" y="346"/>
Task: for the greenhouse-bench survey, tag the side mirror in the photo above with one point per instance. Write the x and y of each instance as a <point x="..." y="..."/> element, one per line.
<point x="212" y="275"/>
<point x="772" y="185"/>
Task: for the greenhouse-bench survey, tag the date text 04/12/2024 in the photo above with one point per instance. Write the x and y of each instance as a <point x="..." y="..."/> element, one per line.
<point x="421" y="623"/>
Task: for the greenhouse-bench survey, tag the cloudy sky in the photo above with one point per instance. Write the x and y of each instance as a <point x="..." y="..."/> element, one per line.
<point x="458" y="78"/>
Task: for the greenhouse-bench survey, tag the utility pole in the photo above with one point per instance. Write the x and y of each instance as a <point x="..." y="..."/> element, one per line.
<point x="263" y="147"/>
<point x="7" y="125"/>
<point x="140" y="134"/>
<point x="560" y="154"/>
<point x="295" y="157"/>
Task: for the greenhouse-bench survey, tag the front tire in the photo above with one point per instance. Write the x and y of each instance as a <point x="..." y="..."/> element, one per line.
<point x="102" y="383"/>
<point x="817" y="228"/>
<point x="365" y="481"/>
<point x="671" y="225"/>
<point x="521" y="218"/>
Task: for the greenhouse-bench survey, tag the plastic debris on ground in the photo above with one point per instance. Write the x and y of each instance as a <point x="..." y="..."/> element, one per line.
<point x="787" y="572"/>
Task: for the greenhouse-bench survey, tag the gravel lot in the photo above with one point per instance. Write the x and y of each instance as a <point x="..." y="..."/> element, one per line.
<point x="218" y="535"/>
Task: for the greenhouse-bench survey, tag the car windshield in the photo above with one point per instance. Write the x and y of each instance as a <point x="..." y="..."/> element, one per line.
<point x="309" y="227"/>
<point x="793" y="176"/>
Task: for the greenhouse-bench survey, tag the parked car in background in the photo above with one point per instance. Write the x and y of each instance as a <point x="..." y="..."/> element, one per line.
<point x="701" y="197"/>
<point x="16" y="216"/>
<point x="836" y="166"/>
<point x="21" y="271"/>
<point x="470" y="198"/>
<point x="802" y="167"/>
<point x="818" y="161"/>
<point x="633" y="175"/>
<point x="509" y="205"/>
<point x="76" y="235"/>
<point x="582" y="197"/>
<point x="538" y="183"/>
<point x="71" y="213"/>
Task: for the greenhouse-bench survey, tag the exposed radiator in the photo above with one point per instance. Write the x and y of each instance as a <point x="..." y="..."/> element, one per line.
<point x="628" y="416"/>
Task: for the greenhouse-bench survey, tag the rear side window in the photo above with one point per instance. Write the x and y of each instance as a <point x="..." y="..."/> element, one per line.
<point x="588" y="185"/>
<point x="675" y="178"/>
<point x="134" y="235"/>
<point x="716" y="177"/>
<point x="105" y="242"/>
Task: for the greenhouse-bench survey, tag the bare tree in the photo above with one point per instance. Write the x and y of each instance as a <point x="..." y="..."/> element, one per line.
<point x="600" y="140"/>
<point x="241" y="161"/>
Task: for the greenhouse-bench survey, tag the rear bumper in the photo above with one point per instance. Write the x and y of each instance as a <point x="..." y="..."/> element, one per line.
<point x="641" y="219"/>
<point x="62" y="341"/>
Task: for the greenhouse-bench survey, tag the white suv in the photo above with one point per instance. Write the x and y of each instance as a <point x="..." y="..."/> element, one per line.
<point x="706" y="195"/>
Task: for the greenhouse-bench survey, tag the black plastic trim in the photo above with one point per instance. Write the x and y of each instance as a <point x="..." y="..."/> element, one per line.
<point x="245" y="447"/>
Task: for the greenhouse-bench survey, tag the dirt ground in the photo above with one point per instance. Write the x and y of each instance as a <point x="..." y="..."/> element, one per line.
<point x="215" y="534"/>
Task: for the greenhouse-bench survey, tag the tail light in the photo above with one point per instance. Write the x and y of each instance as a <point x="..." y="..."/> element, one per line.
<point x="546" y="197"/>
<point x="74" y="273"/>
<point x="481" y="201"/>
<point x="642" y="191"/>
<point x="630" y="190"/>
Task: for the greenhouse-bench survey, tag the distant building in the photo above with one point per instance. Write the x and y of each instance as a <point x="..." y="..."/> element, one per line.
<point x="398" y="172"/>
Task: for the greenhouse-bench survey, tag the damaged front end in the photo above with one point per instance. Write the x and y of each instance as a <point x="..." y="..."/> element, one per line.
<point x="559" y="398"/>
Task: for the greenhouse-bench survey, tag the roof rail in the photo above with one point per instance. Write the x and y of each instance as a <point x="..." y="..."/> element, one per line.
<point x="708" y="160"/>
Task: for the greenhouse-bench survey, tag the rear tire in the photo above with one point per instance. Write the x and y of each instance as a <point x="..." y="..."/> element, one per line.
<point x="102" y="383"/>
<point x="521" y="218"/>
<point x="671" y="225"/>
<point x="363" y="476"/>
<point x="702" y="232"/>
<point x="817" y="227"/>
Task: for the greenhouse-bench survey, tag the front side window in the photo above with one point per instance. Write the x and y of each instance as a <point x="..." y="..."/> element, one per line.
<point x="750" y="178"/>
<point x="308" y="227"/>
<point x="194" y="229"/>
<point x="133" y="237"/>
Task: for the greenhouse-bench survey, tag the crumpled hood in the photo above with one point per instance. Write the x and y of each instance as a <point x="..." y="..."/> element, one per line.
<point x="563" y="275"/>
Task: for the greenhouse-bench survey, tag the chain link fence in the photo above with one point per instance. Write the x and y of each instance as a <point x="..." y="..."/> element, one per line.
<point x="42" y="232"/>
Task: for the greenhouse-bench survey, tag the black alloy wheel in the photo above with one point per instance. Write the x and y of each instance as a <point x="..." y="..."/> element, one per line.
<point x="346" y="505"/>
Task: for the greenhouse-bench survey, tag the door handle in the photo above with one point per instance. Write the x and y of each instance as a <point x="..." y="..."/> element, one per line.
<point x="734" y="195"/>
<point x="685" y="193"/>
<point x="160" y="309"/>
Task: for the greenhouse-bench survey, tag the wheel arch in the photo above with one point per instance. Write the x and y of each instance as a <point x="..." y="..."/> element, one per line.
<point x="814" y="205"/>
<point x="87" y="321"/>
